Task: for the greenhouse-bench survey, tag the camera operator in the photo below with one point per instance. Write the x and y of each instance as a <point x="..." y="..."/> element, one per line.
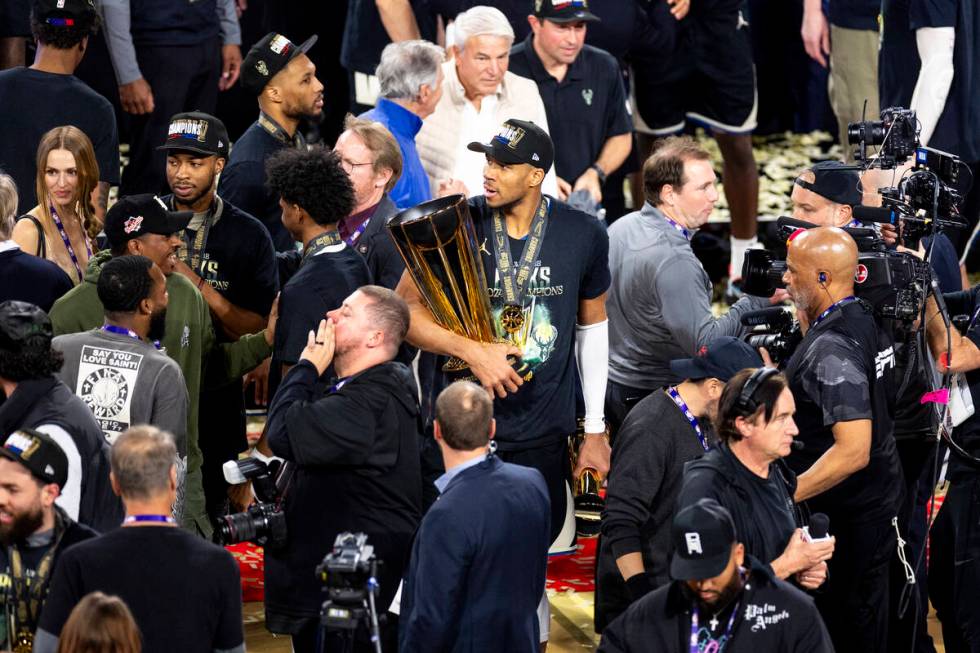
<point x="954" y="571"/>
<point x="659" y="303"/>
<point x="356" y="451"/>
<point x="840" y="377"/>
<point x="746" y="474"/>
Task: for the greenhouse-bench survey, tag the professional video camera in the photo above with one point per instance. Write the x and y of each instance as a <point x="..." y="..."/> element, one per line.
<point x="893" y="283"/>
<point x="349" y="575"/>
<point x="927" y="197"/>
<point x="775" y="329"/>
<point x="263" y="522"/>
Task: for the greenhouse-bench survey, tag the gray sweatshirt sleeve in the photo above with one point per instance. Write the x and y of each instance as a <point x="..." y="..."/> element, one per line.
<point x="170" y="402"/>
<point x="686" y="306"/>
<point x="231" y="33"/>
<point x="116" y="22"/>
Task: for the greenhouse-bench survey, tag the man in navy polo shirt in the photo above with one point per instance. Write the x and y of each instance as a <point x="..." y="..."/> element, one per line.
<point x="228" y="256"/>
<point x="410" y="74"/>
<point x="284" y="79"/>
<point x="582" y="92"/>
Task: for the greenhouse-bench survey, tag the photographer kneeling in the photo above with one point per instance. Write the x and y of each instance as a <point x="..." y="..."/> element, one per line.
<point x="355" y="446"/>
<point x="841" y="379"/>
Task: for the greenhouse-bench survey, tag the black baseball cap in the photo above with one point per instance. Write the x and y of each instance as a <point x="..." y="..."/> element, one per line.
<point x="835" y="181"/>
<point x="564" y="11"/>
<point x="39" y="453"/>
<point x="63" y="13"/>
<point x="722" y="359"/>
<point x="519" y="141"/>
<point x="20" y="321"/>
<point x="135" y="215"/>
<point x="267" y="57"/>
<point x="702" y="535"/>
<point x="198" y="132"/>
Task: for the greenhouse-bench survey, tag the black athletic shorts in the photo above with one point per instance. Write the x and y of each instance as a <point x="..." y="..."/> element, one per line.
<point x="708" y="79"/>
<point x="15" y="18"/>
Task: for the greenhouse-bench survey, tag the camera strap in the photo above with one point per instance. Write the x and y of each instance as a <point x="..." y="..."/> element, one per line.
<point x="513" y="280"/>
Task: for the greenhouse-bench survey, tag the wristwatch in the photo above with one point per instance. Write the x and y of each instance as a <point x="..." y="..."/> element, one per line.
<point x="599" y="172"/>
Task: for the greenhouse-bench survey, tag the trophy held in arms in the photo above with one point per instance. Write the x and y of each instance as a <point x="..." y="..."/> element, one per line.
<point x="438" y="242"/>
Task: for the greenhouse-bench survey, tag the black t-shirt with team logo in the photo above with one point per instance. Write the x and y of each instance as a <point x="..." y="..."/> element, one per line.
<point x="572" y="265"/>
<point x="841" y="372"/>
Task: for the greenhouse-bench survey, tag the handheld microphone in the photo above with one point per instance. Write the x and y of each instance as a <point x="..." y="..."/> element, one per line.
<point x="818" y="529"/>
<point x="874" y="214"/>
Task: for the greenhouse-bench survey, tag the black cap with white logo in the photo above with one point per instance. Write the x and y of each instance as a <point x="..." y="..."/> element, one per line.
<point x="136" y="215"/>
<point x="197" y="132"/>
<point x="519" y="141"/>
<point x="703" y="535"/>
<point x="63" y="13"/>
<point x="564" y="11"/>
<point x="39" y="453"/>
<point x="267" y="57"/>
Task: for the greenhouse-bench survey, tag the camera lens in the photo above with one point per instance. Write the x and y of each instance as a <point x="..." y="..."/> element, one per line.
<point x="762" y="273"/>
<point x="232" y="529"/>
<point x="870" y="132"/>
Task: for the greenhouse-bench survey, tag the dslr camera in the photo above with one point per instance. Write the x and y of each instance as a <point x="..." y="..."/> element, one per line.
<point x="263" y="522"/>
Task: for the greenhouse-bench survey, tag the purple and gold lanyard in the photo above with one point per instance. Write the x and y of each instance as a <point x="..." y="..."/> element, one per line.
<point x="64" y="237"/>
<point x="673" y="394"/>
<point x="712" y="645"/>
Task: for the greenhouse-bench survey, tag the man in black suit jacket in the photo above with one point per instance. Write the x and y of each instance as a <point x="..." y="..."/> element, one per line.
<point x="477" y="570"/>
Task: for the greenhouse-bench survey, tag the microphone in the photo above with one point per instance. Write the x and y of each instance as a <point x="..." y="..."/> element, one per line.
<point x="796" y="445"/>
<point x="874" y="214"/>
<point x="765" y="316"/>
<point x="818" y="530"/>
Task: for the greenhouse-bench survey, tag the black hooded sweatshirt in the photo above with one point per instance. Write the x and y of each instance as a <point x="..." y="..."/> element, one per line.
<point x="356" y="452"/>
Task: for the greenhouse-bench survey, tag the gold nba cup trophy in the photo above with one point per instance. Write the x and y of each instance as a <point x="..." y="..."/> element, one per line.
<point x="589" y="503"/>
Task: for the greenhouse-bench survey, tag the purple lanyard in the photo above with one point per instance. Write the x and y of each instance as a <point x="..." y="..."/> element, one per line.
<point x="160" y="519"/>
<point x="673" y="394"/>
<point x="833" y="307"/>
<point x="711" y="645"/>
<point x="111" y="328"/>
<point x="687" y="234"/>
<point x="356" y="234"/>
<point x="64" y="237"/>
<point x="338" y="385"/>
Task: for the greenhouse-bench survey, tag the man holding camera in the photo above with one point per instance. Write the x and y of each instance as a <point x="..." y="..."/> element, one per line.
<point x="355" y="446"/>
<point x="840" y="377"/>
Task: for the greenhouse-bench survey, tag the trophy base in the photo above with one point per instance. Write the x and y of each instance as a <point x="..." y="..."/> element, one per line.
<point x="458" y="369"/>
<point x="455" y="365"/>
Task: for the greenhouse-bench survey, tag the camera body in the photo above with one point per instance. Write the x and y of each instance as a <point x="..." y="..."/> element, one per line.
<point x="263" y="522"/>
<point x="897" y="133"/>
<point x="775" y="329"/>
<point x="348" y="576"/>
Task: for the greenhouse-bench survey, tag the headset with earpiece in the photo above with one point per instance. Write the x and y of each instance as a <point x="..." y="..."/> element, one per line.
<point x="746" y="403"/>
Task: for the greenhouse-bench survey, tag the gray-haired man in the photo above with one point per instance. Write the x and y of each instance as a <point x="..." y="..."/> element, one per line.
<point x="410" y="74"/>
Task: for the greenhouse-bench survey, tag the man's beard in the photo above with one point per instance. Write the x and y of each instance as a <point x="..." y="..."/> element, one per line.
<point x="158" y="325"/>
<point x="308" y="113"/>
<point x="22" y="526"/>
<point x="725" y="596"/>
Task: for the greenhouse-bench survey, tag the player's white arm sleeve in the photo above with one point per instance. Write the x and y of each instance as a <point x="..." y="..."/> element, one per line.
<point x="592" y="356"/>
<point x="935" y="45"/>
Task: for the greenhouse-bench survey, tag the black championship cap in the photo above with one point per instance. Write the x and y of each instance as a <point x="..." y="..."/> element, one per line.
<point x="519" y="141"/>
<point x="21" y="320"/>
<point x="268" y="57"/>
<point x="63" y="13"/>
<point x="722" y="359"/>
<point x="197" y="132"/>
<point x="135" y="215"/>
<point x="702" y="535"/>
<point x="41" y="455"/>
<point x="835" y="181"/>
<point x="564" y="11"/>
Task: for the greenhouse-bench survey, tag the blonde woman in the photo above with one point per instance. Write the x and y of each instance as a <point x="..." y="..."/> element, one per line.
<point x="63" y="226"/>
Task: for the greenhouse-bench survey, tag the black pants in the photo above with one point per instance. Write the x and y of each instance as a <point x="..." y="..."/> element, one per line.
<point x="954" y="566"/>
<point x="620" y="400"/>
<point x="554" y="464"/>
<point x="183" y="78"/>
<point x="221" y="420"/>
<point x="855" y="598"/>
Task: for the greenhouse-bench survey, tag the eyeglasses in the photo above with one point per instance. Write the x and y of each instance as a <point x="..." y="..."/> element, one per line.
<point x="349" y="166"/>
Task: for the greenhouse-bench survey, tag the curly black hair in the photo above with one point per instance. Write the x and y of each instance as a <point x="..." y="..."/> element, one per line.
<point x="124" y="282"/>
<point x="64" y="37"/>
<point x="313" y="180"/>
<point x="35" y="360"/>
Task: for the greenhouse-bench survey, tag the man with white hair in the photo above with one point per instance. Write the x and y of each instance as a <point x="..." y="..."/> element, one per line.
<point x="410" y="75"/>
<point x="479" y="94"/>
